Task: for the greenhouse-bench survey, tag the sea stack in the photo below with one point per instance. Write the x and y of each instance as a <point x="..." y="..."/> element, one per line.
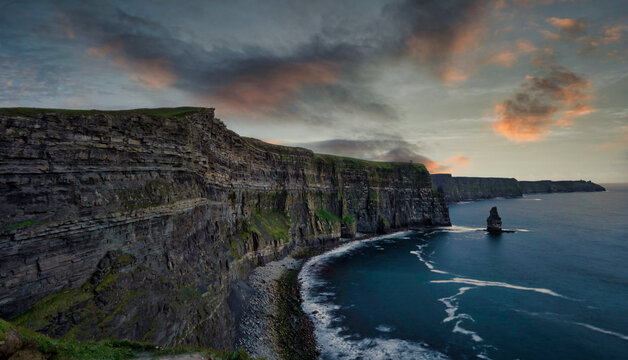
<point x="494" y="222"/>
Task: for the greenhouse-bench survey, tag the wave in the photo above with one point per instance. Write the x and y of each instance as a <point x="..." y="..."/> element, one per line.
<point x="458" y="280"/>
<point x="384" y="328"/>
<point x="332" y="342"/>
<point x="458" y="229"/>
<point x="603" y="331"/>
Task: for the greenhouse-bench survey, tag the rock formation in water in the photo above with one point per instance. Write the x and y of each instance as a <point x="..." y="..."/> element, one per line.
<point x="461" y="188"/>
<point x="135" y="224"/>
<point x="494" y="222"/>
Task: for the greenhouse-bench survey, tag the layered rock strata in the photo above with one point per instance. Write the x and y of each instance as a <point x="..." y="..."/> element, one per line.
<point x="461" y="188"/>
<point x="128" y="225"/>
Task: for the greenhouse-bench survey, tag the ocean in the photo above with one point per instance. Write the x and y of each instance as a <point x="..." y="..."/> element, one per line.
<point x="557" y="288"/>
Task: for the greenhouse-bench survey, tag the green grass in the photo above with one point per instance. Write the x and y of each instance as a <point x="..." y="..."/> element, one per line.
<point x="348" y="219"/>
<point x="327" y="216"/>
<point x="54" y="349"/>
<point x="19" y="225"/>
<point x="49" y="307"/>
<point x="360" y="163"/>
<point x="161" y="112"/>
<point x="274" y="224"/>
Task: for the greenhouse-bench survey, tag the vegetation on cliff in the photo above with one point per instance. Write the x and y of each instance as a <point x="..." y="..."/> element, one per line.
<point x="27" y="344"/>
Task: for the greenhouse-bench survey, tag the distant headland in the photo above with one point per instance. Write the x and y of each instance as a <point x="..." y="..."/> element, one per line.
<point x="462" y="188"/>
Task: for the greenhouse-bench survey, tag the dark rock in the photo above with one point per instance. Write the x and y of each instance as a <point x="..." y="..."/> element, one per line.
<point x="137" y="226"/>
<point x="548" y="186"/>
<point x="494" y="222"/>
<point x="460" y="188"/>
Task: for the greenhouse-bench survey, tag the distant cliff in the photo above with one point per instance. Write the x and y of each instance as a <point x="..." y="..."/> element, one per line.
<point x="547" y="186"/>
<point x="135" y="224"/>
<point x="462" y="188"/>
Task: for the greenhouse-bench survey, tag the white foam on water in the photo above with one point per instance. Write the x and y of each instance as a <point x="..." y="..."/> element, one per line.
<point x="451" y="306"/>
<point x="458" y="280"/>
<point x="458" y="229"/>
<point x="384" y="328"/>
<point x="332" y="343"/>
<point x="603" y="331"/>
<point x="461" y="330"/>
<point x="439" y="271"/>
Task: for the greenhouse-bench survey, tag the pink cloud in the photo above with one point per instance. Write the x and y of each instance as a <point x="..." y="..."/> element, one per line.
<point x="153" y="74"/>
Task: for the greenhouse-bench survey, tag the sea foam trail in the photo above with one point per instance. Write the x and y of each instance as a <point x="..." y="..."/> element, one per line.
<point x="603" y="331"/>
<point x="458" y="280"/>
<point x="333" y="341"/>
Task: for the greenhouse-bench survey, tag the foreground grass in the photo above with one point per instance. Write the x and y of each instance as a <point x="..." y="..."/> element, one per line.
<point x="54" y="349"/>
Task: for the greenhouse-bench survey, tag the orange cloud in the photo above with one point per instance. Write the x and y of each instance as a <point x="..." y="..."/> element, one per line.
<point x="567" y="25"/>
<point x="254" y="94"/>
<point x="529" y="114"/>
<point x="613" y="33"/>
<point x="434" y="167"/>
<point x="505" y="58"/>
<point x="550" y="35"/>
<point x="153" y="74"/>
<point x="525" y="47"/>
<point x="447" y="53"/>
<point x="459" y="160"/>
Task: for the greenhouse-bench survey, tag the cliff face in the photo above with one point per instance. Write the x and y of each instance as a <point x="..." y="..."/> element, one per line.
<point x="547" y="186"/>
<point x="475" y="188"/>
<point x="462" y="188"/>
<point x="127" y="225"/>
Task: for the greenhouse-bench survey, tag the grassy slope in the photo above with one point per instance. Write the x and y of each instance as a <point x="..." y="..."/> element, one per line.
<point x="55" y="349"/>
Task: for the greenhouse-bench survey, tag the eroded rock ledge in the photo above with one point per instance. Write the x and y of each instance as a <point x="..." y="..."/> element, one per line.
<point x="135" y="224"/>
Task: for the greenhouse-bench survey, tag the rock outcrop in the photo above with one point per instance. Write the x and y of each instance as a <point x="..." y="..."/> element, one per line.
<point x="133" y="225"/>
<point x="494" y="222"/>
<point x="461" y="188"/>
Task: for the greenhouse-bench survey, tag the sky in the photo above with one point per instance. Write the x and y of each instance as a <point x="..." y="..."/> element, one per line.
<point x="508" y="88"/>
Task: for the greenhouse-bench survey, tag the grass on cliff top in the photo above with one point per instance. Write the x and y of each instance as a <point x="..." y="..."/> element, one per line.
<point x="364" y="163"/>
<point x="54" y="349"/>
<point x="162" y="112"/>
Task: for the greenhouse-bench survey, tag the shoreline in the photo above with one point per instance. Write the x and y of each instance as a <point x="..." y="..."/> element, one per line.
<point x="272" y="323"/>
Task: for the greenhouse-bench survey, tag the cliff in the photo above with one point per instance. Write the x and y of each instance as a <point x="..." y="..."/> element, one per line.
<point x="135" y="224"/>
<point x="460" y="188"/>
<point x="547" y="186"/>
<point x="474" y="188"/>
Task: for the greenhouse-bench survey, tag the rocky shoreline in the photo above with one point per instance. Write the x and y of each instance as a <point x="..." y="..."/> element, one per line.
<point x="255" y="331"/>
<point x="271" y="295"/>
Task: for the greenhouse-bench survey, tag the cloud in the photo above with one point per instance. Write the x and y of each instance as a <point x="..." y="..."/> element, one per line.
<point x="459" y="159"/>
<point x="264" y="92"/>
<point x="567" y="26"/>
<point x="555" y="97"/>
<point x="441" y="35"/>
<point x="393" y="149"/>
<point x="153" y="74"/>
<point x="613" y="33"/>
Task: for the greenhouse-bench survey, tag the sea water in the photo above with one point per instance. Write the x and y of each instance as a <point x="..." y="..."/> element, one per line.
<point x="557" y="288"/>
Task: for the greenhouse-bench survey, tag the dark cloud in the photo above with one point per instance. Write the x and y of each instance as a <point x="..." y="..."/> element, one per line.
<point x="376" y="149"/>
<point x="324" y="72"/>
<point x="555" y="97"/>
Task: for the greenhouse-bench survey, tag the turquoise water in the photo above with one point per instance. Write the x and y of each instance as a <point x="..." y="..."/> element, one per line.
<point x="555" y="289"/>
